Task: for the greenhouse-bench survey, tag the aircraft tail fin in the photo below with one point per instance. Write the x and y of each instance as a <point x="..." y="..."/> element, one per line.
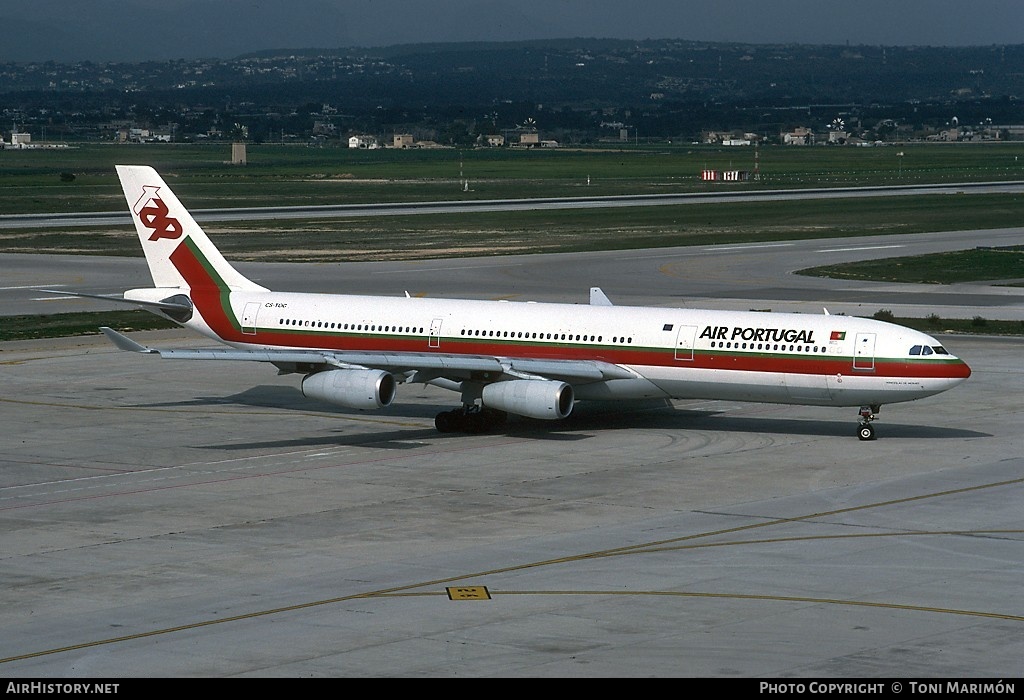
<point x="178" y="251"/>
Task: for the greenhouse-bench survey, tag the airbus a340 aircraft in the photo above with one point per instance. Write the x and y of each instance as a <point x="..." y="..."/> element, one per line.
<point x="524" y="358"/>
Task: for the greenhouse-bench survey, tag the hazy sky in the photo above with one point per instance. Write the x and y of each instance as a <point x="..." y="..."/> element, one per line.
<point x="130" y="30"/>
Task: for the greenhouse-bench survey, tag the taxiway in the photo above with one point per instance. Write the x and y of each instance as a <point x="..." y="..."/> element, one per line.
<point x="202" y="519"/>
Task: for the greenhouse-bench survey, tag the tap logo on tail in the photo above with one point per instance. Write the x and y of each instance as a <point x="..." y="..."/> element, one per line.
<point x="152" y="211"/>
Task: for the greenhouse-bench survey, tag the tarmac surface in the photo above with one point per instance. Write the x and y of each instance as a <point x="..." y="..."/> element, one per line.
<point x="203" y="519"/>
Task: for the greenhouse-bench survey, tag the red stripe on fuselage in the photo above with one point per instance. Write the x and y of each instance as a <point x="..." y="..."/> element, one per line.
<point x="209" y="294"/>
<point x="211" y="297"/>
<point x="622" y="355"/>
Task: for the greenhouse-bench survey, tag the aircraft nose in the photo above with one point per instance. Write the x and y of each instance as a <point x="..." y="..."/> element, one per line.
<point x="960" y="370"/>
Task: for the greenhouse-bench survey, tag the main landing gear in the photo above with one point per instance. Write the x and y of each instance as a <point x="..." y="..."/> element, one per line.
<point x="469" y="419"/>
<point x="866" y="431"/>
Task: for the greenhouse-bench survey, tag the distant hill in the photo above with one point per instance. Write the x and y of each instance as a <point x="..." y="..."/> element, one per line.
<point x="129" y="31"/>
<point x="563" y="71"/>
<point x="666" y="87"/>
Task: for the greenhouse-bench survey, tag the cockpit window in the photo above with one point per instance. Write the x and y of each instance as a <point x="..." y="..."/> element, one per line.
<point x="926" y="350"/>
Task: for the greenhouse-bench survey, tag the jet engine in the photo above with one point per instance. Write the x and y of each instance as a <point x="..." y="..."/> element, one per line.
<point x="352" y="388"/>
<point x="534" y="398"/>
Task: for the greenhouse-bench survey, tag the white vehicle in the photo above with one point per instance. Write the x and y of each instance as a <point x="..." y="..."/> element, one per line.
<point x="527" y="359"/>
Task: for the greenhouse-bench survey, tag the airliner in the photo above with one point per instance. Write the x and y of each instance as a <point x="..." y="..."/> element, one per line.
<point x="528" y="359"/>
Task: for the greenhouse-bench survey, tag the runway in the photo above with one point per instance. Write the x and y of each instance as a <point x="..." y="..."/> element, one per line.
<point x="194" y="519"/>
<point x="742" y="277"/>
<point x="341" y="211"/>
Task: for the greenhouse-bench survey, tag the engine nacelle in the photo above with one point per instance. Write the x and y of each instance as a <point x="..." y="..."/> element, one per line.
<point x="534" y="398"/>
<point x="352" y="388"/>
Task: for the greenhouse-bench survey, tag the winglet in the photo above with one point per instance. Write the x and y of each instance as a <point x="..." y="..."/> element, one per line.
<point x="598" y="298"/>
<point x="123" y="342"/>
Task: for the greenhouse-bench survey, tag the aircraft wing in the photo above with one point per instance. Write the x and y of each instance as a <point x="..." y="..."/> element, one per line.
<point x="426" y="365"/>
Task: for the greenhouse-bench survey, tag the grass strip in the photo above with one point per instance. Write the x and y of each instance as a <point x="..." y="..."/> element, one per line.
<point x="32" y="327"/>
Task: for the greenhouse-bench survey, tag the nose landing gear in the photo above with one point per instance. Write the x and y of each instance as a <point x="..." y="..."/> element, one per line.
<point x="866" y="431"/>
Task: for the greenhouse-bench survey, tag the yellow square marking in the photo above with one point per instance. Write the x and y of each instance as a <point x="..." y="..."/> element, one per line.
<point x="468" y="593"/>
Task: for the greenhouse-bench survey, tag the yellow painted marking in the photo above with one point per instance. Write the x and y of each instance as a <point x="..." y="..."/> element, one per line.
<point x="468" y="593"/>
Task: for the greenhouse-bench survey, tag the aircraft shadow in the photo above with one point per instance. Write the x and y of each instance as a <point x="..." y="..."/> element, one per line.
<point x="386" y="439"/>
<point x="588" y="417"/>
<point x="675" y="418"/>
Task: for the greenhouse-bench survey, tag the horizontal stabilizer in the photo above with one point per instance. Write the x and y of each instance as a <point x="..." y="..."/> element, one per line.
<point x="161" y="305"/>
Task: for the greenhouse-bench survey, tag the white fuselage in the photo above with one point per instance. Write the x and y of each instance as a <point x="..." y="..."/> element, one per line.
<point x="675" y="353"/>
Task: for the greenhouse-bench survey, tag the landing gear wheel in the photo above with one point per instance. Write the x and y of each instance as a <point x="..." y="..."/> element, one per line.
<point x="445" y="422"/>
<point x="469" y="420"/>
<point x="493" y="418"/>
<point x="866" y="431"/>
